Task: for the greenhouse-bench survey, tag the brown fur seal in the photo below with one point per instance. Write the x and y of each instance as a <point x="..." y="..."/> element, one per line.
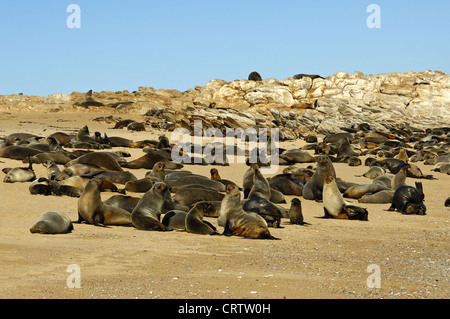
<point x="92" y="210"/>
<point x="140" y="185"/>
<point x="147" y="161"/>
<point x="147" y="213"/>
<point x="357" y="191"/>
<point x="53" y="171"/>
<point x="295" y="213"/>
<point x="81" y="169"/>
<point x="158" y="171"/>
<point x="400" y="177"/>
<point x="56" y="156"/>
<point x="89" y="101"/>
<point x="102" y="159"/>
<point x="40" y="186"/>
<point x="373" y="172"/>
<point x="381" y="197"/>
<point x="238" y="222"/>
<point x="123" y="201"/>
<point x="266" y="209"/>
<point x="299" y="172"/>
<point x="195" y="223"/>
<point x="188" y="196"/>
<point x="314" y="187"/>
<point x="19" y="174"/>
<point x="52" y="223"/>
<point x="112" y="176"/>
<point x="409" y="200"/>
<point x="175" y="219"/>
<point x="18" y="152"/>
<point x="260" y="187"/>
<point x="297" y="156"/>
<point x="196" y="179"/>
<point x="335" y="206"/>
<point x="287" y="184"/>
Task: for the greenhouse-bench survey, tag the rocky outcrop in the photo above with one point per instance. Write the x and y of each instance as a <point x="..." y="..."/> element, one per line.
<point x="295" y="105"/>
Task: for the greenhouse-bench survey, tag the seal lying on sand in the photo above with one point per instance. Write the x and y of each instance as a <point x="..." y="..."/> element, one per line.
<point x="409" y="200"/>
<point x="52" y="223"/>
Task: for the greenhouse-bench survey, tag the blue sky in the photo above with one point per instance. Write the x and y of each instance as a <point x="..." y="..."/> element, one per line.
<point x="169" y="44"/>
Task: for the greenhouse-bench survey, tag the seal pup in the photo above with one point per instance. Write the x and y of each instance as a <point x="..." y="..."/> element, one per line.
<point x="238" y="222"/>
<point x="409" y="200"/>
<point x="92" y="210"/>
<point x="295" y="213"/>
<point x="52" y="223"/>
<point x="194" y="220"/>
<point x="313" y="188"/>
<point x="147" y="213"/>
<point x="175" y="219"/>
<point x="335" y="206"/>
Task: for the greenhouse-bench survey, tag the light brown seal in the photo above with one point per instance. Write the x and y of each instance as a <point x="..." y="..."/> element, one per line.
<point x="19" y="174"/>
<point x="102" y="159"/>
<point x="334" y="205"/>
<point x="52" y="223"/>
<point x="238" y="222"/>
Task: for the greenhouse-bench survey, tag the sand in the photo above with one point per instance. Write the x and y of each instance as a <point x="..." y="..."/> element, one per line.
<point x="327" y="259"/>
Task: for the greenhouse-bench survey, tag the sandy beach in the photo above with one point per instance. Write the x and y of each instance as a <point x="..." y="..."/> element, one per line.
<point x="327" y="259"/>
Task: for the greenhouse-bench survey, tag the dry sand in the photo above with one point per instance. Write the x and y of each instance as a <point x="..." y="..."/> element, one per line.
<point x="328" y="259"/>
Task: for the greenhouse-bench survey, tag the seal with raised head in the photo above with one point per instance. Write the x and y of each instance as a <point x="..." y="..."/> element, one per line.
<point x="236" y="221"/>
<point x="158" y="171"/>
<point x="147" y="213"/>
<point x="335" y="206"/>
<point x="89" y="101"/>
<point x="53" y="171"/>
<point x="92" y="210"/>
<point x="52" y="223"/>
<point x="409" y="200"/>
<point x="260" y="187"/>
<point x="194" y="220"/>
<point x="314" y="187"/>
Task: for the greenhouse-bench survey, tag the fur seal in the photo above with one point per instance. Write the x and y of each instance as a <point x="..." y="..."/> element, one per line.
<point x="18" y="152"/>
<point x="447" y="202"/>
<point x="260" y="187"/>
<point x="92" y="210"/>
<point x="40" y="186"/>
<point x="400" y="177"/>
<point x="357" y="191"/>
<point x="194" y="220"/>
<point x="147" y="213"/>
<point x="158" y="171"/>
<point x="297" y="156"/>
<point x="19" y="174"/>
<point x="147" y="161"/>
<point x="287" y="184"/>
<point x="236" y="221"/>
<point x="381" y="197"/>
<point x="373" y="172"/>
<point x="53" y="171"/>
<point x="112" y="176"/>
<point x="271" y="214"/>
<point x="57" y="156"/>
<point x="314" y="187"/>
<point x="101" y="159"/>
<point x="123" y="201"/>
<point x="335" y="206"/>
<point x="141" y="185"/>
<point x="295" y="213"/>
<point x="196" y="179"/>
<point x="409" y="200"/>
<point x="300" y="172"/>
<point x="52" y="223"/>
<point x="81" y="169"/>
<point x="254" y="76"/>
<point x="89" y="101"/>
<point x="188" y="196"/>
<point x="175" y="219"/>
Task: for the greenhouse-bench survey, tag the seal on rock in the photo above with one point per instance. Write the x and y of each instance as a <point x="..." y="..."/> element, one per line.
<point x="52" y="223"/>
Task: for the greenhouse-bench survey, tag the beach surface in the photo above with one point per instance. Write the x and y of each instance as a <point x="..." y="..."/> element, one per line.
<point x="327" y="259"/>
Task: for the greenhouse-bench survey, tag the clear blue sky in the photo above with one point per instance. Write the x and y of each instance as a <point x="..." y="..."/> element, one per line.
<point x="170" y="44"/>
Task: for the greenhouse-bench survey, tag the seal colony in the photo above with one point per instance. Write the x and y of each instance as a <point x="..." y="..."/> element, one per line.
<point x="171" y="197"/>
